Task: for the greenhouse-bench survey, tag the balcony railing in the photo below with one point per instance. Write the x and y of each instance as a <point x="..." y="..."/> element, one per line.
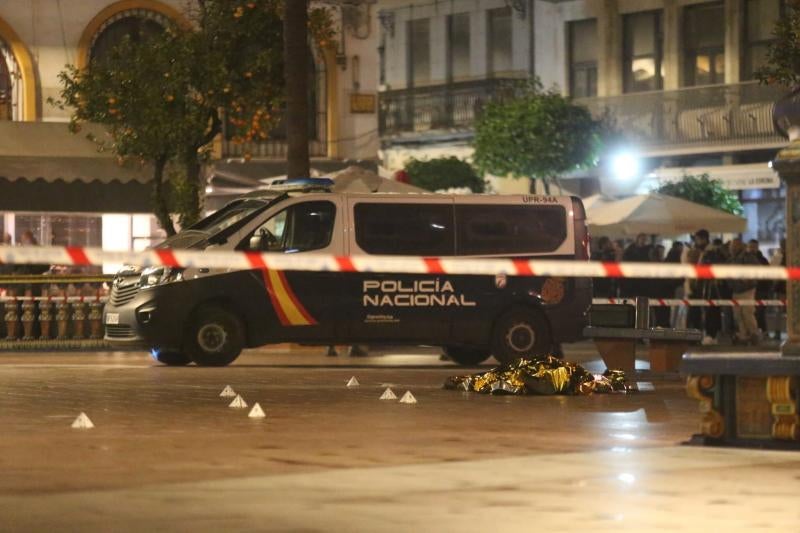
<point x="658" y="121"/>
<point x="710" y="116"/>
<point x="269" y="149"/>
<point x="441" y="107"/>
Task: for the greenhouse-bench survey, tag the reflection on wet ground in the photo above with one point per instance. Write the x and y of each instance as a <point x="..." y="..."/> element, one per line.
<point x="167" y="450"/>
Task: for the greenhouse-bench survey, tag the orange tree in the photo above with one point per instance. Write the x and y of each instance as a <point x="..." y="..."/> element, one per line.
<point x="164" y="99"/>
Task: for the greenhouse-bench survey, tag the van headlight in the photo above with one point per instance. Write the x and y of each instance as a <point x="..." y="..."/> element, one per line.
<point x="153" y="276"/>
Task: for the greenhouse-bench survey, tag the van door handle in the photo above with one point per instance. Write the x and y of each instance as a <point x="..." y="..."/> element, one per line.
<point x="203" y="270"/>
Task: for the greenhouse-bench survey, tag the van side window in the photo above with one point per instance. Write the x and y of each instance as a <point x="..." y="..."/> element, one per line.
<point x="510" y="229"/>
<point x="404" y="229"/>
<point x="299" y="228"/>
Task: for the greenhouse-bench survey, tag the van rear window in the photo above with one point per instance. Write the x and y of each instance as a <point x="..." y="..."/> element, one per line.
<point x="509" y="229"/>
<point x="404" y="229"/>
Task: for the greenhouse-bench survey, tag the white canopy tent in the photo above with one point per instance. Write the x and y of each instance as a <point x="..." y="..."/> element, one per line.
<point x="659" y="214"/>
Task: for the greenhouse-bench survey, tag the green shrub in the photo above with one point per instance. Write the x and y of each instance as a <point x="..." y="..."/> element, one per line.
<point x="701" y="189"/>
<point x="444" y="173"/>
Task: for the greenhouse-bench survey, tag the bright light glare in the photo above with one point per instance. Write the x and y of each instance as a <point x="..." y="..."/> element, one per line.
<point x="627" y="478"/>
<point x="625" y="166"/>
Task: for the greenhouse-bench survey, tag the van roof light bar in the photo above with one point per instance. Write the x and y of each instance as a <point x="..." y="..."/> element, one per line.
<point x="301" y="184"/>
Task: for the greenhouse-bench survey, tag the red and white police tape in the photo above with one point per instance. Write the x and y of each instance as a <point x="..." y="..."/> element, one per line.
<point x="695" y="302"/>
<point x="79" y="256"/>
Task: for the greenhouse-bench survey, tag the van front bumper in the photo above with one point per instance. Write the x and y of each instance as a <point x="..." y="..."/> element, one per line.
<point x="147" y="321"/>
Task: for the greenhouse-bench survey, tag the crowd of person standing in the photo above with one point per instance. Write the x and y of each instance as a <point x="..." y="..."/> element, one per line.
<point x="748" y="323"/>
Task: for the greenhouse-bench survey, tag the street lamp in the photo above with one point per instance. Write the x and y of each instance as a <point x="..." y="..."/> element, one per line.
<point x="625" y="166"/>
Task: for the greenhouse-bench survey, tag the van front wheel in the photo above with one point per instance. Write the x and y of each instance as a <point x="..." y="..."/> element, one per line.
<point x="466" y="356"/>
<point x="172" y="358"/>
<point x="521" y="333"/>
<point x="215" y="338"/>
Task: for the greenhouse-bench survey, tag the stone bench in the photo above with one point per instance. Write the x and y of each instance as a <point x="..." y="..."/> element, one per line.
<point x="617" y="328"/>
<point x="617" y="346"/>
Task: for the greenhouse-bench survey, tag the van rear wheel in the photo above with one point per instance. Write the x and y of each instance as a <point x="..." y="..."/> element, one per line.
<point x="521" y="333"/>
<point x="215" y="338"/>
<point x="466" y="356"/>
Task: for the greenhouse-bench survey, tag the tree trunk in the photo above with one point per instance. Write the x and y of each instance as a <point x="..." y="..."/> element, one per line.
<point x="191" y="207"/>
<point x="160" y="204"/>
<point x="296" y="59"/>
<point x="532" y="186"/>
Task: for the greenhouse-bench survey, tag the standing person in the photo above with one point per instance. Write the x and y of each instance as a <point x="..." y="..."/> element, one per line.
<point x="660" y="288"/>
<point x="674" y="287"/>
<point x="604" y="287"/>
<point x="779" y="287"/>
<point x="636" y="252"/>
<point x="710" y="290"/>
<point x="744" y="289"/>
<point x="762" y="286"/>
<point x="694" y="288"/>
<point x="4" y="268"/>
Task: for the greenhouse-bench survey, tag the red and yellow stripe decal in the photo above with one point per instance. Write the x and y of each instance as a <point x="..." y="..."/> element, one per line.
<point x="287" y="306"/>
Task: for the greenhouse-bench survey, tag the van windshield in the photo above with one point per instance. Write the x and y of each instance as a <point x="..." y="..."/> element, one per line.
<point x="230" y="215"/>
<point x="216" y="227"/>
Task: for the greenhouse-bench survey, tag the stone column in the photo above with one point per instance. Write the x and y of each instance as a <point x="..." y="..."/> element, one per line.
<point x="733" y="40"/>
<point x="672" y="45"/>
<point x="609" y="56"/>
<point x="787" y="163"/>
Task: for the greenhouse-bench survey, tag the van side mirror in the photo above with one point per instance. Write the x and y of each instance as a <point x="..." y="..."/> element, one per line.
<point x="255" y="242"/>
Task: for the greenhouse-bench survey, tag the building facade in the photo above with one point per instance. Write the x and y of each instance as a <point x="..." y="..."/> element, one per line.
<point x="58" y="186"/>
<point x="676" y="76"/>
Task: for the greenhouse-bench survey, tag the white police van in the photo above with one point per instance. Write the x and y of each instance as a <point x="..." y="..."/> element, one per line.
<point x="208" y="317"/>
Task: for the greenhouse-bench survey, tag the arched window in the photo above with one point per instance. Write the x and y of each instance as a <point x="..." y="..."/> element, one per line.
<point x="138" y="24"/>
<point x="10" y="86"/>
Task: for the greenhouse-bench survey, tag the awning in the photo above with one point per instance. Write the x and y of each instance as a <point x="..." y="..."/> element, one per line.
<point x="74" y="197"/>
<point x="238" y="172"/>
<point x="71" y="169"/>
<point x="733" y="177"/>
<point x="659" y="214"/>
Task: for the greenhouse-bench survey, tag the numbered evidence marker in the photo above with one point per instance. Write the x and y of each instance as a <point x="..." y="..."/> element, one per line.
<point x="353" y="383"/>
<point x="257" y="412"/>
<point x="408" y="398"/>
<point x="388" y="394"/>
<point x="227" y="392"/>
<point x="82" y="422"/>
<point x="238" y="402"/>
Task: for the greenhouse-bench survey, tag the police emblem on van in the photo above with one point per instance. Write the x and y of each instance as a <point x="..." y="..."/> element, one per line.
<point x="417" y="293"/>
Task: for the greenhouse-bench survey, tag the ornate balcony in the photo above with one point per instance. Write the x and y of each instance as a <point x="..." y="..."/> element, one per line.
<point x="695" y="119"/>
<point x="451" y="107"/>
<point x="688" y="120"/>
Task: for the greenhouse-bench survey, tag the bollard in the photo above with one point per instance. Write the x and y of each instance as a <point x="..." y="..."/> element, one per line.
<point x="96" y="320"/>
<point x="62" y="320"/>
<point x="78" y="320"/>
<point x="45" y="319"/>
<point x="28" y="319"/>
<point x="642" y="312"/>
<point x="11" y="317"/>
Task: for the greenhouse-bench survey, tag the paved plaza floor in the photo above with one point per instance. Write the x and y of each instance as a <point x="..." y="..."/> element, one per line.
<point x="168" y="454"/>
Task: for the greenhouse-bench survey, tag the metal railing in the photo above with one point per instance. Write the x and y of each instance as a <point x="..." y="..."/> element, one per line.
<point x="275" y="148"/>
<point x="657" y="121"/>
<point x="694" y="116"/>
<point x="453" y="106"/>
<point x="52" y="311"/>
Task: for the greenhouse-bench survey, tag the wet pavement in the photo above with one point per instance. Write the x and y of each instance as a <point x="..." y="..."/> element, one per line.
<point x="167" y="453"/>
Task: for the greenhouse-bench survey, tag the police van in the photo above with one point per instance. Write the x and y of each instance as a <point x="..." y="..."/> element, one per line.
<point x="208" y="316"/>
